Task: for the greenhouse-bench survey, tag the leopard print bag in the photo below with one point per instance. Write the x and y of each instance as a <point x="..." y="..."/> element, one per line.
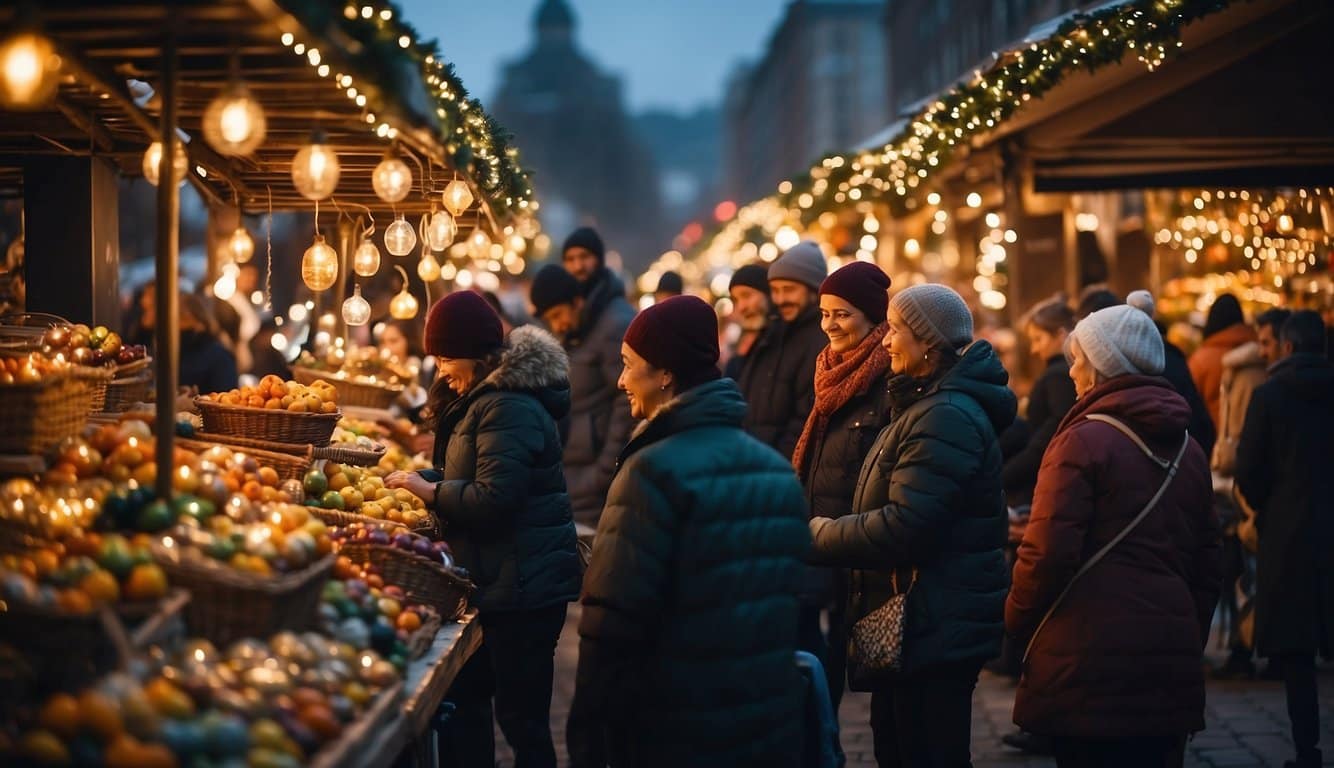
<point x="875" y="644"/>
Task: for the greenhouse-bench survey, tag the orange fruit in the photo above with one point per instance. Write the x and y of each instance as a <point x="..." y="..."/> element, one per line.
<point x="99" y="714"/>
<point x="145" y="474"/>
<point x="268" y="476"/>
<point x="297" y="406"/>
<point x="60" y="715"/>
<point x="146" y="582"/>
<point x="169" y="700"/>
<point x="253" y="490"/>
<point x="408" y="621"/>
<point x="273" y="404"/>
<point x="45" y="561"/>
<point x="86" y="544"/>
<point x="74" y="601"/>
<point x="100" y="586"/>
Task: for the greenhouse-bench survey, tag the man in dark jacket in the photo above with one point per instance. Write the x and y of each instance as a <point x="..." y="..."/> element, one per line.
<point x="686" y="653"/>
<point x="1283" y="461"/>
<point x="751" y="310"/>
<point x="778" y="376"/>
<point x="589" y="317"/>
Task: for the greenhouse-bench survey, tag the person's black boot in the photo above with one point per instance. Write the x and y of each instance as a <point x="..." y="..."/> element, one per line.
<point x="1311" y="759"/>
<point x="1032" y="743"/>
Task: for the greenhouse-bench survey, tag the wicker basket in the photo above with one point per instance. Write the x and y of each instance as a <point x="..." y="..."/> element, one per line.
<point x="124" y="394"/>
<point x="351" y="392"/>
<point x="35" y="417"/>
<point x="428" y="527"/>
<point x="290" y="464"/>
<point x="422" y="581"/>
<point x="348" y="454"/>
<point x="126" y="370"/>
<point x="341" y="517"/>
<point x="96" y="379"/>
<point x="63" y="650"/>
<point x="227" y="604"/>
<point x="273" y="425"/>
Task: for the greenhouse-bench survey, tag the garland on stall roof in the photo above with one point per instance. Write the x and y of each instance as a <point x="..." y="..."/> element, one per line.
<point x="477" y="143"/>
<point x="897" y="173"/>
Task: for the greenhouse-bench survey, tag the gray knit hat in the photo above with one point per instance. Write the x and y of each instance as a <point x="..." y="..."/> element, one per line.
<point x="803" y="262"/>
<point x="1119" y="341"/>
<point x="936" y="314"/>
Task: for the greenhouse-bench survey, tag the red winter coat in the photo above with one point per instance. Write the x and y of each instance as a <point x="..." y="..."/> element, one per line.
<point x="1121" y="655"/>
<point x="1206" y="365"/>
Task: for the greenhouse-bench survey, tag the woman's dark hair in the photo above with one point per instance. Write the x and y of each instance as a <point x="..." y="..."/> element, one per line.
<point x="1094" y="298"/>
<point x="1225" y="313"/>
<point x="1305" y="331"/>
<point x="412" y="331"/>
<point x="1052" y="316"/>
<point x="440" y="395"/>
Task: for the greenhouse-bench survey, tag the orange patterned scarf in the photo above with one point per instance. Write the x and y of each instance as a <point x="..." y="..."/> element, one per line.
<point x="838" y="379"/>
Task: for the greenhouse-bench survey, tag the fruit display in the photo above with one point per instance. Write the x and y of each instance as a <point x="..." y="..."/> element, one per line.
<point x="265" y="704"/>
<point x="273" y="393"/>
<point x="51" y="510"/>
<point x="358" y="608"/>
<point x="362" y="491"/>
<point x="436" y="552"/>
<point x="91" y="346"/>
<point x="284" y="538"/>
<point x="82" y="573"/>
<point x="31" y="368"/>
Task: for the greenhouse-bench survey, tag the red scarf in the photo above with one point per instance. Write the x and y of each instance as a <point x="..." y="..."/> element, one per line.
<point x="838" y="379"/>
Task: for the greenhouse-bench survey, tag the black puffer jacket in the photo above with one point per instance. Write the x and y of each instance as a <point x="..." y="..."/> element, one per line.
<point x="834" y="463"/>
<point x="1052" y="396"/>
<point x="600" y="420"/>
<point x="778" y="379"/>
<point x="930" y="497"/>
<point x="689" y="605"/>
<point x="502" y="502"/>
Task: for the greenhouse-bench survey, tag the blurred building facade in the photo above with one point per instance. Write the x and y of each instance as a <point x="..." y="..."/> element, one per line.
<point x="820" y="86"/>
<point x="571" y="121"/>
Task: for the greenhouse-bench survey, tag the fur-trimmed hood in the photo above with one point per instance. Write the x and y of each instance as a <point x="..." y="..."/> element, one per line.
<point x="534" y="362"/>
<point x="1244" y="356"/>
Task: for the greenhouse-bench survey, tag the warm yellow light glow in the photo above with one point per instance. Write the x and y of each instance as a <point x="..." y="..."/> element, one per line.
<point x="400" y="238"/>
<point x="366" y="261"/>
<point x="319" y="265"/>
<point x="234" y="123"/>
<point x="441" y="230"/>
<point x="479" y="244"/>
<point x="315" y="169"/>
<point x="240" y="246"/>
<point x="428" y="269"/>
<point x="457" y="197"/>
<point x="30" y="69"/>
<point x="153" y="158"/>
<point x="356" y="310"/>
<point x="392" y="179"/>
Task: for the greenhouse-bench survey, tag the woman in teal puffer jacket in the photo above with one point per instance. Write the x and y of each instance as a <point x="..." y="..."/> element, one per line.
<point x="689" y="618"/>
<point x="928" y="518"/>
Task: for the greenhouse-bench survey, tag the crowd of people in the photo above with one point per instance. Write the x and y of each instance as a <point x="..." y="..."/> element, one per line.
<point x="858" y="499"/>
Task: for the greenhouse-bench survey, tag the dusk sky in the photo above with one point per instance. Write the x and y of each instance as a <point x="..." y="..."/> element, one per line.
<point x="675" y="54"/>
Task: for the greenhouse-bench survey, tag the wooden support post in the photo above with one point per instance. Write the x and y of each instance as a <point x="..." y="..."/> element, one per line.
<point x="167" y="347"/>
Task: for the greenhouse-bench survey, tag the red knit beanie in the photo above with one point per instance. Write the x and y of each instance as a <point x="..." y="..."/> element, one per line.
<point x="863" y="285"/>
<point x="463" y="326"/>
<point x="679" y="334"/>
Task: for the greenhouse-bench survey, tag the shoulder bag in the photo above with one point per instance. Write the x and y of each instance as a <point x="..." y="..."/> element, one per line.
<point x="1171" y="468"/>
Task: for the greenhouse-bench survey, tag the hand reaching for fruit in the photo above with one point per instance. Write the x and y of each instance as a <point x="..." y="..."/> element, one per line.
<point x="414" y="483"/>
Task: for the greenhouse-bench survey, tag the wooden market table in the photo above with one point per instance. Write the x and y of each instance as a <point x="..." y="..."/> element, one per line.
<point x="399" y="721"/>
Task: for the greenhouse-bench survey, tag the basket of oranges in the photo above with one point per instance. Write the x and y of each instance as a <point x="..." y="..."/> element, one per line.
<point x="275" y="410"/>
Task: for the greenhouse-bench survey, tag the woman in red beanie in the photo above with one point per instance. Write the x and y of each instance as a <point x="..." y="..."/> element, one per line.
<point x="499" y="494"/>
<point x="851" y="406"/>
<point x="689" y="605"/>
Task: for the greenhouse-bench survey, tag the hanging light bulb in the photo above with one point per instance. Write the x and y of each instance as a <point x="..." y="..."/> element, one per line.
<point x="315" y="168"/>
<point x="392" y="178"/>
<point x="428" y="269"/>
<point x="225" y="286"/>
<point x="404" y="305"/>
<point x="400" y="238"/>
<point x="180" y="162"/>
<point x="319" y="265"/>
<point x="479" y="244"/>
<point x="29" y="71"/>
<point x="441" y="230"/>
<point x="240" y="246"/>
<point x="366" y="260"/>
<point x="517" y="243"/>
<point x="234" y="123"/>
<point x="457" y="197"/>
<point x="356" y="310"/>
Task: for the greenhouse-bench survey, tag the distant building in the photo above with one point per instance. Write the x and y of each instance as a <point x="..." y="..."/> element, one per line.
<point x="570" y="120"/>
<point x="687" y="149"/>
<point x="819" y="88"/>
<point x="933" y="43"/>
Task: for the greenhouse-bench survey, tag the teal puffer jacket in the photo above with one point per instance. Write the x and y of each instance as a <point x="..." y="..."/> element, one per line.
<point x="929" y="497"/>
<point x="690" y="601"/>
<point x="502" y="502"/>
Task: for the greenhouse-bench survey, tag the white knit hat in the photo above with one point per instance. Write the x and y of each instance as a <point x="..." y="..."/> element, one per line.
<point x="937" y="314"/>
<point x="1120" y="340"/>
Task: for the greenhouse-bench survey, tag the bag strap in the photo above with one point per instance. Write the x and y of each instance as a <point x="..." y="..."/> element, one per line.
<point x="1170" y="466"/>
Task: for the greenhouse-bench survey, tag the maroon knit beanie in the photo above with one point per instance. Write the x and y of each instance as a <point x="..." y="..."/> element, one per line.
<point x="679" y="334"/>
<point x="463" y="326"/>
<point x="863" y="285"/>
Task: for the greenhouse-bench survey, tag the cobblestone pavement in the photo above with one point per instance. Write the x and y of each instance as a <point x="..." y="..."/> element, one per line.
<point x="1247" y="721"/>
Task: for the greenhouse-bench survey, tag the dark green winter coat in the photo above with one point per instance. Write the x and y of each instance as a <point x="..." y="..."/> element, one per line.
<point x="929" y="497"/>
<point x="502" y="502"/>
<point x="689" y="605"/>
